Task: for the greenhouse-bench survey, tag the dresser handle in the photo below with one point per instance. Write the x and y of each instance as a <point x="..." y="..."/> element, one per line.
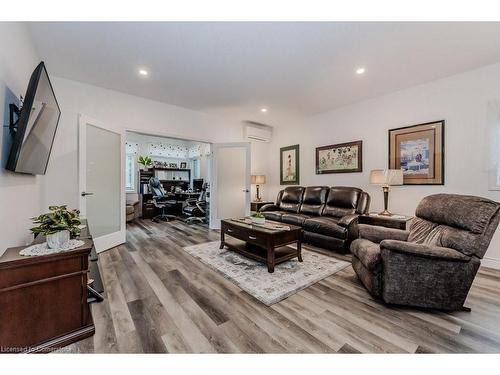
<point x="252" y="238"/>
<point x="229" y="231"/>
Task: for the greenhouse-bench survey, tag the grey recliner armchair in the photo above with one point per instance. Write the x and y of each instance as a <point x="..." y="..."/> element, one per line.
<point x="433" y="264"/>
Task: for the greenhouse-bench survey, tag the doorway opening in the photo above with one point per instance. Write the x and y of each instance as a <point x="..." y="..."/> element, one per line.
<point x="167" y="178"/>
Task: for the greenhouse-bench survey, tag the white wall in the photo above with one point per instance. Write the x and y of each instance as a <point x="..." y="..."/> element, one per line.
<point x="461" y="100"/>
<point x="123" y="112"/>
<point x="19" y="194"/>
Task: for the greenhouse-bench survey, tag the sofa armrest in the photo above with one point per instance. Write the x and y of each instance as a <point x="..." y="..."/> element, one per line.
<point x="426" y="276"/>
<point x="269" y="207"/>
<point x="377" y="234"/>
<point x="347" y="220"/>
<point x="424" y="251"/>
<point x="132" y="203"/>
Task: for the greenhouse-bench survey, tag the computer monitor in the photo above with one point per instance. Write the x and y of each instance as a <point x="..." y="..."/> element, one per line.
<point x="197" y="184"/>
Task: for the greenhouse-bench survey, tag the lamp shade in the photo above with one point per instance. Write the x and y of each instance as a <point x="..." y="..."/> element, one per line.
<point x="258" y="179"/>
<point x="387" y="177"/>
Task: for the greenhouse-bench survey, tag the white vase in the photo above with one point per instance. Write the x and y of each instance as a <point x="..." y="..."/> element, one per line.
<point x="58" y="239"/>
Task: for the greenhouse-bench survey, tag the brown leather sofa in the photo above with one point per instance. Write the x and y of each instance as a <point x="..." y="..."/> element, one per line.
<point x="328" y="215"/>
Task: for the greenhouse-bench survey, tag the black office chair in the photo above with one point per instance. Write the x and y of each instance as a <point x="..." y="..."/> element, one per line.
<point x="196" y="208"/>
<point x="160" y="200"/>
<point x="198" y="184"/>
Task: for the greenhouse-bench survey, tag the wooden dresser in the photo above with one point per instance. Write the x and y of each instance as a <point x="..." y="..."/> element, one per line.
<point x="43" y="300"/>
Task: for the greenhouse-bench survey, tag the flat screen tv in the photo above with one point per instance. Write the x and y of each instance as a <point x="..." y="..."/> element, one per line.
<point x="35" y="130"/>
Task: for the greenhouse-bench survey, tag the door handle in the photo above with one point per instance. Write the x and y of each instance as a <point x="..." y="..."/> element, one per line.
<point x="245" y="190"/>
<point x="84" y="193"/>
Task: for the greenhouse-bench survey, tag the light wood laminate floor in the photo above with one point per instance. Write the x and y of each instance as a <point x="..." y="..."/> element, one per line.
<point x="159" y="299"/>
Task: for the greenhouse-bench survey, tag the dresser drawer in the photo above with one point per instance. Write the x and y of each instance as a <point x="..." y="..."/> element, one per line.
<point x="26" y="274"/>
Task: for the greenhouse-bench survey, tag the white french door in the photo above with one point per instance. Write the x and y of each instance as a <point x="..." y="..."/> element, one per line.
<point x="101" y="174"/>
<point x="230" y="182"/>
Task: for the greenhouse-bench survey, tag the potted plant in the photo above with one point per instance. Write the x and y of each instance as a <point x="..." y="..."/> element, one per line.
<point x="57" y="225"/>
<point x="145" y="161"/>
<point x="258" y="218"/>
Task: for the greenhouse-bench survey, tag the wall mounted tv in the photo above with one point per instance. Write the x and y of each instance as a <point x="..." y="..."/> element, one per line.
<point x="34" y="131"/>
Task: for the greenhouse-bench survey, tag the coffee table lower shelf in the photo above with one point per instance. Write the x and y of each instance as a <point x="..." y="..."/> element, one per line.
<point x="281" y="254"/>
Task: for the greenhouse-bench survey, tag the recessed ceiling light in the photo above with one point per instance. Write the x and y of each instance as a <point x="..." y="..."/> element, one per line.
<point x="143" y="72"/>
<point x="360" y="71"/>
<point x="263" y="110"/>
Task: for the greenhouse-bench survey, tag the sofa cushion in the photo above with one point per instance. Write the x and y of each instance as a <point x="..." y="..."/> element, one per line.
<point x="291" y="199"/>
<point x="368" y="254"/>
<point x="462" y="240"/>
<point x="273" y="215"/>
<point x="326" y="242"/>
<point x="420" y="229"/>
<point x="314" y="200"/>
<point x="363" y="206"/>
<point x="429" y="233"/>
<point x="460" y="211"/>
<point x="325" y="225"/>
<point x="294" y="219"/>
<point x="341" y="201"/>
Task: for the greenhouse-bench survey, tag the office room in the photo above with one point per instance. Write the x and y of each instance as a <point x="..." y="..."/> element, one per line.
<point x="167" y="180"/>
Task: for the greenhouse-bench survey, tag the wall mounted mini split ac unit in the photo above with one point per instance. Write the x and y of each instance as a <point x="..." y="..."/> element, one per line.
<point x="254" y="131"/>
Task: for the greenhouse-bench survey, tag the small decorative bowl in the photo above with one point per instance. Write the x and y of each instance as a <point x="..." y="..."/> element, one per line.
<point x="258" y="220"/>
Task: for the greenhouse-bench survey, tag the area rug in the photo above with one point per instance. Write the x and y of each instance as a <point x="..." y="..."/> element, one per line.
<point x="288" y="278"/>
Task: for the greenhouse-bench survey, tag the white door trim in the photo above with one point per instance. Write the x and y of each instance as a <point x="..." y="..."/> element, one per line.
<point x="159" y="133"/>
<point x="214" y="221"/>
<point x="113" y="239"/>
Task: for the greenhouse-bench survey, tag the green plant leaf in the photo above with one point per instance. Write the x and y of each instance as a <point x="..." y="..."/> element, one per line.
<point x="58" y="219"/>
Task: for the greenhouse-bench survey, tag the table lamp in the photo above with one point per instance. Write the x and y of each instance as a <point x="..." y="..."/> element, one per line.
<point x="386" y="178"/>
<point x="257" y="180"/>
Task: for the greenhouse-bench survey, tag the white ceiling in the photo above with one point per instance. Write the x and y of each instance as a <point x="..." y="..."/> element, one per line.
<point x="295" y="68"/>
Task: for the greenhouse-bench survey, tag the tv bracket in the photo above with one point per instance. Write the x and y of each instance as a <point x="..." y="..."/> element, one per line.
<point x="14" y="111"/>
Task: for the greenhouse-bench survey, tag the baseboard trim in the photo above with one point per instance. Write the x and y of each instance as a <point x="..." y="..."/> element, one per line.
<point x="491" y="262"/>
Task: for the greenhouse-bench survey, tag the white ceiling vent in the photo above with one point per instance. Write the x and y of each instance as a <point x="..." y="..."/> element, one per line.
<point x="255" y="131"/>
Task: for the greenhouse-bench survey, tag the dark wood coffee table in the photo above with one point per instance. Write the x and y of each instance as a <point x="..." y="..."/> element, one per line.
<point x="264" y="243"/>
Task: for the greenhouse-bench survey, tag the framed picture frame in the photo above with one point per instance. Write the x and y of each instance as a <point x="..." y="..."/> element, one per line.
<point x="340" y="158"/>
<point x="419" y="151"/>
<point x="289" y="165"/>
<point x="183" y="165"/>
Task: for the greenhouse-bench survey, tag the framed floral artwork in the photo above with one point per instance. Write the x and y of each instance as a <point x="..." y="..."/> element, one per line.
<point x="340" y="158"/>
<point x="289" y="165"/>
<point x="419" y="151"/>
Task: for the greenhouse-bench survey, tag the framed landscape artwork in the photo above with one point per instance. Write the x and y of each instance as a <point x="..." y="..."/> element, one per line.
<point x="289" y="165"/>
<point x="419" y="151"/>
<point x="340" y="158"/>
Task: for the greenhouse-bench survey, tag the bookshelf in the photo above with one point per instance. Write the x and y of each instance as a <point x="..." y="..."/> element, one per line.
<point x="170" y="178"/>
